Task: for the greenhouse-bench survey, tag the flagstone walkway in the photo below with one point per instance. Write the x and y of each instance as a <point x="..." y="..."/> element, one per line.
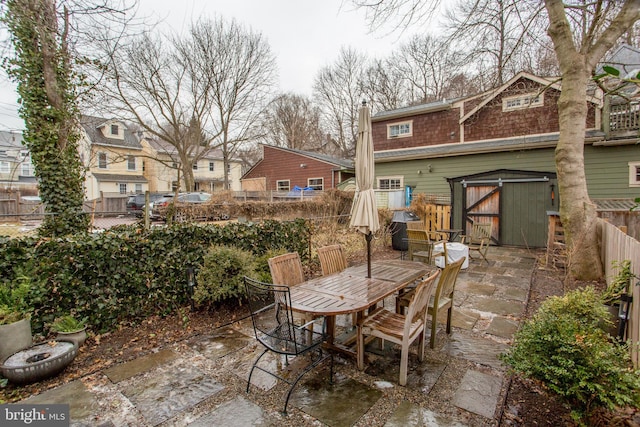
<point x="202" y="382"/>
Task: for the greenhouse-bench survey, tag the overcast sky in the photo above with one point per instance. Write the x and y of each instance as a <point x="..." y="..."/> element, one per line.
<point x="304" y="35"/>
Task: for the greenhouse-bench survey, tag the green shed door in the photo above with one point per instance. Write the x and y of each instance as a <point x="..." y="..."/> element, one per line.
<point x="524" y="220"/>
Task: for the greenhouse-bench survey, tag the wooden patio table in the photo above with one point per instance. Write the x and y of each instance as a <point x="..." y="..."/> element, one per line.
<point x="351" y="291"/>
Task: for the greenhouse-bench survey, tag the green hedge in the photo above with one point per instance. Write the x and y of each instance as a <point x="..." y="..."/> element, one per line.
<point x="127" y="273"/>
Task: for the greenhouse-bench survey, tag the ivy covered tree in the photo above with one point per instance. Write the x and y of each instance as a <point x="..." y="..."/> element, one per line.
<point x="42" y="69"/>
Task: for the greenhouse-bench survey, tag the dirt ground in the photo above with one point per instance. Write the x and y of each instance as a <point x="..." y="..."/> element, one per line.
<point x="527" y="403"/>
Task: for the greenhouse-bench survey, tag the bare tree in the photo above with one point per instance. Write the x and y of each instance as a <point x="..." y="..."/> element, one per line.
<point x="292" y="121"/>
<point x="195" y="93"/>
<point x="338" y="89"/>
<point x="496" y="35"/>
<point x="427" y="64"/>
<point x="384" y="86"/>
<point x="240" y="71"/>
<point x="582" y="32"/>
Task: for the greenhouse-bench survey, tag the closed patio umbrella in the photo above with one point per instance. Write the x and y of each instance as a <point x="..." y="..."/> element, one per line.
<point x="364" y="212"/>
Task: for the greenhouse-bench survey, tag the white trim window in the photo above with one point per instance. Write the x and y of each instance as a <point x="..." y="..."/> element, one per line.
<point x="316" y="183"/>
<point x="131" y="163"/>
<point x="634" y="174"/>
<point x="520" y="102"/>
<point x="283" y="185"/>
<point x="390" y="183"/>
<point x="5" y="167"/>
<point x="212" y="166"/>
<point x="102" y="160"/>
<point x="123" y="188"/>
<point x="115" y="129"/>
<point x="400" y="129"/>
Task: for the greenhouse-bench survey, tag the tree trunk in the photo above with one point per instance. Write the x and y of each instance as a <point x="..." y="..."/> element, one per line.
<point x="577" y="211"/>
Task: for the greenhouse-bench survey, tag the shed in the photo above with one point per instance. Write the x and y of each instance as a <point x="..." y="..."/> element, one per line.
<point x="515" y="201"/>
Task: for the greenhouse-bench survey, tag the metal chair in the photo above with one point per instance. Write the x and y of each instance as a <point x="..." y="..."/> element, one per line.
<point x="398" y="328"/>
<point x="274" y="328"/>
<point x="332" y="259"/>
<point x="479" y="239"/>
<point x="442" y="298"/>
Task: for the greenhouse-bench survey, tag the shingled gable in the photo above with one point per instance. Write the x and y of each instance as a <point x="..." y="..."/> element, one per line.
<point x="543" y="82"/>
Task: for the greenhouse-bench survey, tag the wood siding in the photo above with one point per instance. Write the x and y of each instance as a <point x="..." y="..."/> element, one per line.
<point x="428" y="129"/>
<point x="607" y="169"/>
<point x="490" y="122"/>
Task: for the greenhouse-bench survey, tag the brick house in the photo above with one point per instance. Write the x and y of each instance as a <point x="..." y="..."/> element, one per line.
<point x="282" y="169"/>
<point x="499" y="146"/>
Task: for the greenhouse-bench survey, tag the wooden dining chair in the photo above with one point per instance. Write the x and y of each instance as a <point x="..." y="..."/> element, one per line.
<point x="479" y="239"/>
<point x="398" y="328"/>
<point x="286" y="269"/>
<point x="441" y="299"/>
<point x="332" y="259"/>
<point x="419" y="247"/>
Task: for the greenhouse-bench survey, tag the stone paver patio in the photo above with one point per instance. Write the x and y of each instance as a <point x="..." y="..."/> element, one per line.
<point x="202" y="382"/>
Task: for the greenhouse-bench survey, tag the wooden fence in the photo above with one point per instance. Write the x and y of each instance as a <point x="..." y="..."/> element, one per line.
<point x="618" y="246"/>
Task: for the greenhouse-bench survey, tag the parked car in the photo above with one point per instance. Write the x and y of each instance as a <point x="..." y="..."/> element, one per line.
<point x="135" y="202"/>
<point x="160" y="206"/>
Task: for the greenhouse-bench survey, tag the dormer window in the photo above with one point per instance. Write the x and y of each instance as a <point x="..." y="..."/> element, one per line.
<point x="115" y="129"/>
<point x="399" y="130"/>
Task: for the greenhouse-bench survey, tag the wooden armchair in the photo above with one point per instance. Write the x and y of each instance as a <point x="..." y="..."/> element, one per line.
<point x="398" y="328"/>
<point x="442" y="298"/>
<point x="332" y="259"/>
<point x="479" y="239"/>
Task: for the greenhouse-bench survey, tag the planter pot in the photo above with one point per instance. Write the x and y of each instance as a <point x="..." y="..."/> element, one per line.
<point x="15" y="337"/>
<point x="39" y="362"/>
<point x="79" y="336"/>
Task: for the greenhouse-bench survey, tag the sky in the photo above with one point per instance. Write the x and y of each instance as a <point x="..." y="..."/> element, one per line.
<point x="304" y="36"/>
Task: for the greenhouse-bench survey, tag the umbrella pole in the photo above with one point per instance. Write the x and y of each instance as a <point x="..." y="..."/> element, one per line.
<point x="368" y="237"/>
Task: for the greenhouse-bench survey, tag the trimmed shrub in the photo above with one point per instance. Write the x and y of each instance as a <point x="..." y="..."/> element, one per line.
<point x="565" y="347"/>
<point x="222" y="275"/>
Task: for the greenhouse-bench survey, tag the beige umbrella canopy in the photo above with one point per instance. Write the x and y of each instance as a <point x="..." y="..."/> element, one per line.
<point x="364" y="212"/>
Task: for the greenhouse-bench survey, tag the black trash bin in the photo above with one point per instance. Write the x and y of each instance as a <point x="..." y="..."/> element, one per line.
<point x="399" y="229"/>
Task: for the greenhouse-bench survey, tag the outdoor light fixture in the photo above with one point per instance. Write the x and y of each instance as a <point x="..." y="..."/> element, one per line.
<point x="303" y="165"/>
<point x="623" y="312"/>
<point x="191" y="283"/>
<point x="430" y="168"/>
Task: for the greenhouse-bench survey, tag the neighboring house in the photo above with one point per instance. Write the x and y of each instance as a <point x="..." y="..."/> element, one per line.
<point x="282" y="169"/>
<point x="493" y="154"/>
<point x="113" y="158"/>
<point x="161" y="169"/>
<point x="16" y="170"/>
